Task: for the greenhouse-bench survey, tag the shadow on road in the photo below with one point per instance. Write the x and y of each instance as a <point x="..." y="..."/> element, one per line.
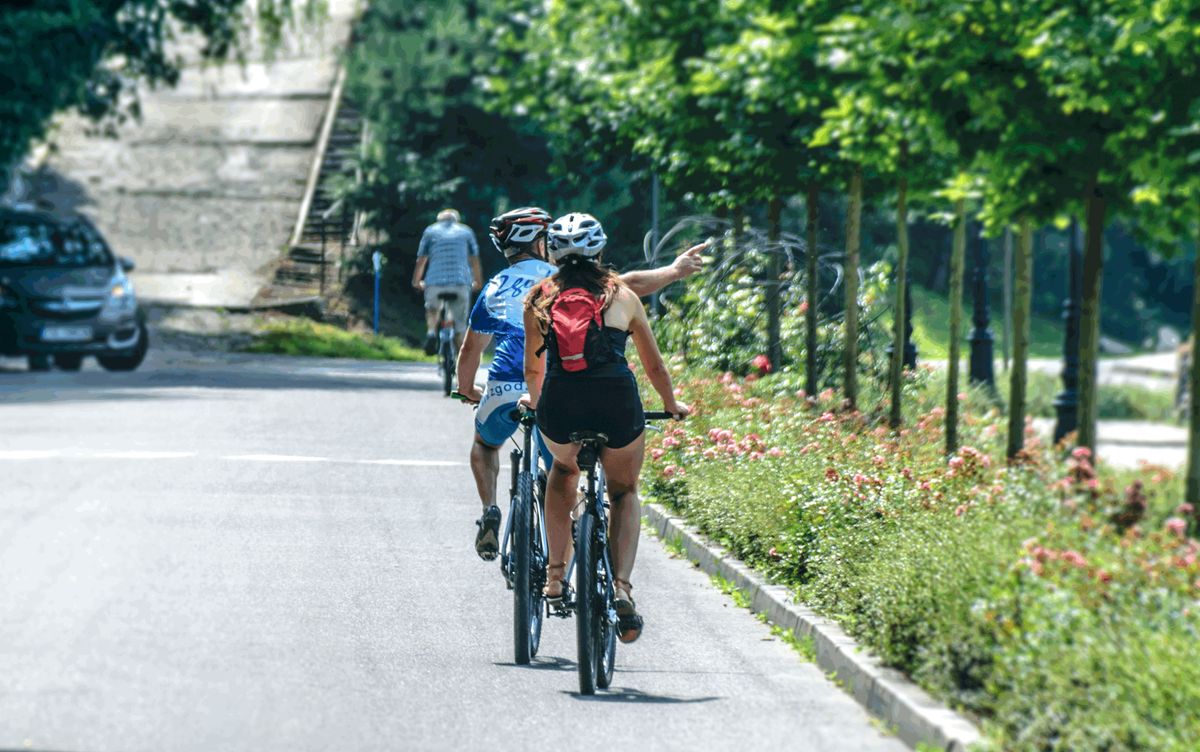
<point x="543" y="664"/>
<point x="627" y="695"/>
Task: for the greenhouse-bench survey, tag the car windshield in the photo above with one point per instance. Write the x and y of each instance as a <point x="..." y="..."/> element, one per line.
<point x="33" y="243"/>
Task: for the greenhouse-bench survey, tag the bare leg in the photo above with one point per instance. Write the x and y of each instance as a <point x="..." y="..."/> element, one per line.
<point x="621" y="469"/>
<point x="561" y="487"/>
<point x="485" y="465"/>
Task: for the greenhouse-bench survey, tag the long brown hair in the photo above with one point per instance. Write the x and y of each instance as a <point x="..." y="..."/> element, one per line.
<point x="573" y="271"/>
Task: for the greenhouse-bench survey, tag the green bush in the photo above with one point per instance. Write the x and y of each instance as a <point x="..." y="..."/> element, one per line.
<point x="928" y="561"/>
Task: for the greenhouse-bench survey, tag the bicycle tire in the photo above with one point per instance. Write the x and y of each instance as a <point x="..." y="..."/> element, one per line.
<point x="585" y="604"/>
<point x="447" y="370"/>
<point x="606" y="632"/>
<point x="537" y="569"/>
<point x="524" y="602"/>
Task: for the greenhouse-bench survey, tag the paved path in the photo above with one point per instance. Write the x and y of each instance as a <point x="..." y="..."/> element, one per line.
<point x="257" y="553"/>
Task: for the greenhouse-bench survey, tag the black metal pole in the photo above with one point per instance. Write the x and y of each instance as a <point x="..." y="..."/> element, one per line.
<point x="983" y="369"/>
<point x="910" y="349"/>
<point x="1066" y="404"/>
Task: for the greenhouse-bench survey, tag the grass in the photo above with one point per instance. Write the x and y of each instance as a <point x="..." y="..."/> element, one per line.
<point x="931" y="317"/>
<point x="305" y="337"/>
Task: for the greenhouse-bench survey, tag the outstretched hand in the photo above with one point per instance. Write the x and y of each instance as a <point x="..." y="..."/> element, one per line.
<point x="690" y="261"/>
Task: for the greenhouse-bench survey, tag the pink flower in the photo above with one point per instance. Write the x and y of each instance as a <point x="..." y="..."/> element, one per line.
<point x="826" y="418"/>
<point x="710" y="454"/>
<point x="956" y="462"/>
<point x="879" y="460"/>
<point x="859" y="479"/>
<point x="1184" y="510"/>
<point x="831" y="474"/>
<point x="762" y="363"/>
<point x="670" y="471"/>
<point x="725" y="434"/>
<point x="925" y="486"/>
<point x="773" y="553"/>
<point x="751" y="378"/>
<point x="962" y="396"/>
<point x="1177" y="526"/>
<point x="670" y="442"/>
<point x="827" y="394"/>
<point x="756" y="455"/>
<point x="960" y="510"/>
<point x="714" y="435"/>
<point x="1103" y="575"/>
<point x="656" y="454"/>
<point x="1074" y="558"/>
<point x="1081" y="453"/>
<point x="775" y="452"/>
<point x="727" y="377"/>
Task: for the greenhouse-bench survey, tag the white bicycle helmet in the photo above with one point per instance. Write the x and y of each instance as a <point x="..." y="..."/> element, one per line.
<point x="576" y="234"/>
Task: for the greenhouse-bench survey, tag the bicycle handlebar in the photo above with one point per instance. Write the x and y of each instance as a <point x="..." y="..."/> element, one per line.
<point x="660" y="415"/>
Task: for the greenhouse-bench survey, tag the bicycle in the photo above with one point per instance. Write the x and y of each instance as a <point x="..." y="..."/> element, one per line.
<point x="524" y="562"/>
<point x="596" y="614"/>
<point x="445" y="352"/>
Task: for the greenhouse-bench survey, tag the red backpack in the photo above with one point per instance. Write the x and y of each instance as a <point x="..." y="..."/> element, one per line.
<point x="576" y="337"/>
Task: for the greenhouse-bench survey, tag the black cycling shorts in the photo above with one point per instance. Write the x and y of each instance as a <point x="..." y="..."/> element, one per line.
<point x="610" y="405"/>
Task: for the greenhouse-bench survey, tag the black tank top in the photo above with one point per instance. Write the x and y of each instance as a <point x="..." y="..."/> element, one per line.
<point x="618" y="366"/>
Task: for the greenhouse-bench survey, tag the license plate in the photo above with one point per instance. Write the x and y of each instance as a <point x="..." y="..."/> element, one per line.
<point x="67" y="334"/>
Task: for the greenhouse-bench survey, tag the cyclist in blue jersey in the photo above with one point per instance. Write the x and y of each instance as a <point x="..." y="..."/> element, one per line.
<point x="499" y="312"/>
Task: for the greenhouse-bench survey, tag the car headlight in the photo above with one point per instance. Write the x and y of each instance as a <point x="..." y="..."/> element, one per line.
<point x="120" y="299"/>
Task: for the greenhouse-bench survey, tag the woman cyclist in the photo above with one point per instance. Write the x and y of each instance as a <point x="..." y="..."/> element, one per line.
<point x="600" y="397"/>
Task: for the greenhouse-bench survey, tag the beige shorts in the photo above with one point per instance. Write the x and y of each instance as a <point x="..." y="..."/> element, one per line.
<point x="459" y="308"/>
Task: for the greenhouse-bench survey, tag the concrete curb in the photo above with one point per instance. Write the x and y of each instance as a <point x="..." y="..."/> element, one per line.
<point x="886" y="693"/>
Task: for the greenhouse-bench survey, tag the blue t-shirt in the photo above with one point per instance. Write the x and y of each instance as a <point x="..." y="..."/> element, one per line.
<point x="499" y="310"/>
<point x="448" y="245"/>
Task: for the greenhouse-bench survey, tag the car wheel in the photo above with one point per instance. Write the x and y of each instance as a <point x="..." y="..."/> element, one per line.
<point x="68" y="361"/>
<point x="39" y="362"/>
<point x="127" y="361"/>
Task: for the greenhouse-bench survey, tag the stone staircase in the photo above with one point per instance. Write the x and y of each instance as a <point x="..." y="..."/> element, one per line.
<point x="324" y="236"/>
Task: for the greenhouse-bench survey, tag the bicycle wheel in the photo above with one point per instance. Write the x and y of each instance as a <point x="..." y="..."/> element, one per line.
<point x="586" y="610"/>
<point x="447" y="368"/>
<point x="538" y="560"/>
<point x="526" y="607"/>
<point x="606" y="630"/>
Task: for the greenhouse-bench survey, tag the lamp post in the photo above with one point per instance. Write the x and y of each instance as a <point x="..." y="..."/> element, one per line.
<point x="983" y="370"/>
<point x="377" y="263"/>
<point x="1066" y="404"/>
<point x="910" y="349"/>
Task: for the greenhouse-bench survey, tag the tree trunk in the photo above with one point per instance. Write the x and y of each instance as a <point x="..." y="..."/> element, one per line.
<point x="1089" y="315"/>
<point x="811" y="271"/>
<point x="853" y="227"/>
<point x="1007" y="280"/>
<point x="1192" y="488"/>
<point x="774" y="284"/>
<point x="896" y="380"/>
<point x="1023" y="284"/>
<point x="957" y="255"/>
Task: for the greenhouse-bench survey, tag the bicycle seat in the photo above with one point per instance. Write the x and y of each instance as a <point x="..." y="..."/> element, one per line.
<point x="592" y="437"/>
<point x="448" y="296"/>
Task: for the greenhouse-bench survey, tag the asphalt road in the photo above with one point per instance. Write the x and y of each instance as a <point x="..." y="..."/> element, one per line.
<point x="258" y="553"/>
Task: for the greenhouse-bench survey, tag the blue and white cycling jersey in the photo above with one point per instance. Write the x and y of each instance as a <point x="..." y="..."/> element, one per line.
<point x="500" y="309"/>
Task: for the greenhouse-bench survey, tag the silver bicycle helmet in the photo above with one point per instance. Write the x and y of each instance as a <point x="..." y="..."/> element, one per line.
<point x="576" y="234"/>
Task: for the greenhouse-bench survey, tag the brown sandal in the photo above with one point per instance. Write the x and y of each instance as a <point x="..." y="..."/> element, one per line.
<point x="629" y="623"/>
<point x="555" y="600"/>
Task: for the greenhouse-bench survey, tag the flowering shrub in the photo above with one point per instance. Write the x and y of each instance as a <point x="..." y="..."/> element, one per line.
<point x="1047" y="597"/>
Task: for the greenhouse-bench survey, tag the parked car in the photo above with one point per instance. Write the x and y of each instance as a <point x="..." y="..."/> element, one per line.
<point x="64" y="295"/>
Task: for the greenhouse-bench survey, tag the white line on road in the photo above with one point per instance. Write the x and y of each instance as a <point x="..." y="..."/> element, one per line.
<point x="411" y="463"/>
<point x="136" y="455"/>
<point x="28" y="454"/>
<point x="273" y="458"/>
